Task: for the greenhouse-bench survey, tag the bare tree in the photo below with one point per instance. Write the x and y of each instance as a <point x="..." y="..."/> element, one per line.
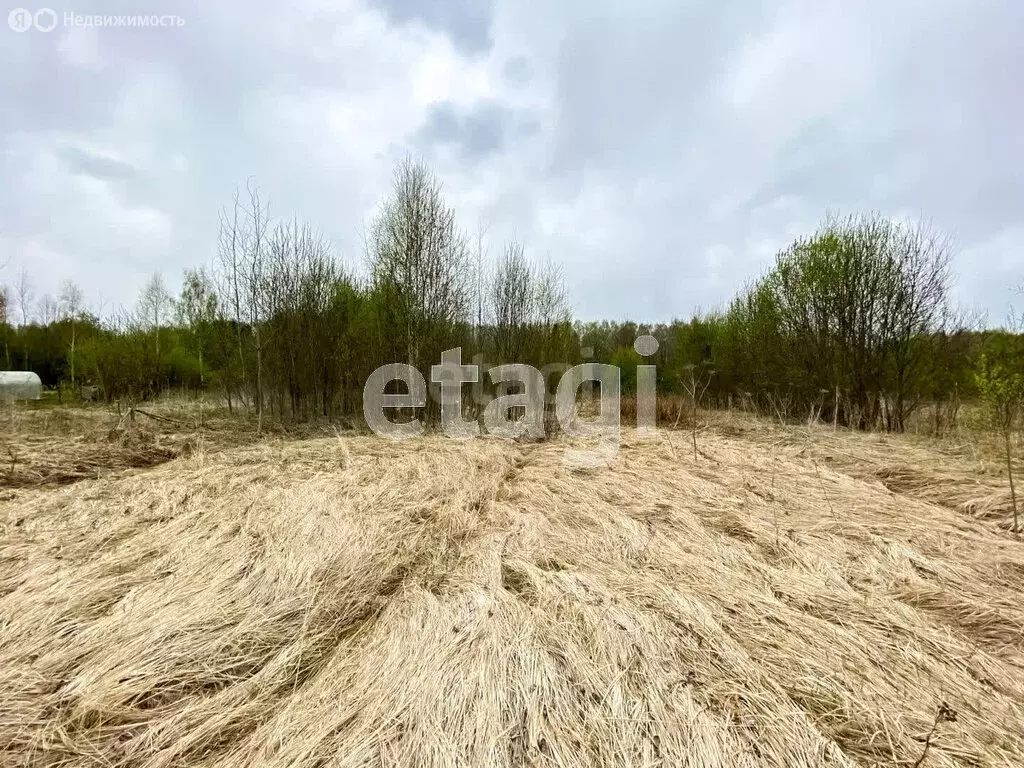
<point x="242" y="257"/>
<point x="231" y="258"/>
<point x="253" y="276"/>
<point x="551" y="303"/>
<point x="513" y="302"/>
<point x="552" y="297"/>
<point x="197" y="310"/>
<point x="71" y="306"/>
<point x="47" y="310"/>
<point x="920" y="309"/>
<point x="24" y="292"/>
<point x="154" y="308"/>
<point x="695" y="383"/>
<point x="100" y="308"/>
<point x="481" y="252"/>
<point x="71" y="300"/>
<point x="300" y="279"/>
<point x="419" y="259"/>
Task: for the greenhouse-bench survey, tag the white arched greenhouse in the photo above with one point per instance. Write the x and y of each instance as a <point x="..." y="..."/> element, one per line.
<point x="20" y="385"/>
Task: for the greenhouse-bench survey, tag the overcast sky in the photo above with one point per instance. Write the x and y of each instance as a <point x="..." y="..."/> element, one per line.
<point x="662" y="151"/>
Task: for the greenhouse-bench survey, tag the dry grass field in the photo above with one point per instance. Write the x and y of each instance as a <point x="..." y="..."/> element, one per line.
<point x="788" y="597"/>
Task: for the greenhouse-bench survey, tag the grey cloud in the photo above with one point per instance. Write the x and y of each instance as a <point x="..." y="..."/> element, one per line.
<point x="517" y="71"/>
<point x="466" y="22"/>
<point x="632" y="89"/>
<point x="477" y="132"/>
<point x="98" y="166"/>
<point x="922" y="127"/>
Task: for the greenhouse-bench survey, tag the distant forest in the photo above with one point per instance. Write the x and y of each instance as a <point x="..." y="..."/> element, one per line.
<point x="852" y="324"/>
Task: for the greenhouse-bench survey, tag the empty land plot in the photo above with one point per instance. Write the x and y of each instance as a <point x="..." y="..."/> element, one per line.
<point x="778" y="601"/>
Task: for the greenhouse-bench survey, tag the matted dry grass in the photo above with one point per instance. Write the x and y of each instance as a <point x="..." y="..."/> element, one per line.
<point x="61" y="445"/>
<point x="354" y="602"/>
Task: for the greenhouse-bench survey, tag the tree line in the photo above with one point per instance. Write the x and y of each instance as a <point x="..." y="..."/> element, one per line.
<point x="853" y="324"/>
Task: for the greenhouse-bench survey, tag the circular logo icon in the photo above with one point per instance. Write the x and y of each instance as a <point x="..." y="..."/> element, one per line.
<point x="645" y="345"/>
<point x="45" y="19"/>
<point x="20" y="20"/>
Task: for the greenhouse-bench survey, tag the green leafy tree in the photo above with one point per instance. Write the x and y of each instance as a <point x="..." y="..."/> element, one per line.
<point x="1003" y="392"/>
<point x="626" y="360"/>
<point x="197" y="309"/>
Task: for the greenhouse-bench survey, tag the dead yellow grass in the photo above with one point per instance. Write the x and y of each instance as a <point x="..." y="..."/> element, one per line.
<point x="353" y="602"/>
<point x="61" y="445"/>
<point x="31" y="460"/>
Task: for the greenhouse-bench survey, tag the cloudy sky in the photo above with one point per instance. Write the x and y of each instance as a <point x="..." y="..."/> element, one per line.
<point x="661" y="150"/>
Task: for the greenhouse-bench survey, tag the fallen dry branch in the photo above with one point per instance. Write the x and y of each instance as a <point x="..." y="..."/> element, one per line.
<point x="156" y="416"/>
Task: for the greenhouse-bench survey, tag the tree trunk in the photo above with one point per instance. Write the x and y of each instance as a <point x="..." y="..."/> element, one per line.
<point x="72" y="354"/>
<point x="1009" y="473"/>
<point x="259" y="386"/>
